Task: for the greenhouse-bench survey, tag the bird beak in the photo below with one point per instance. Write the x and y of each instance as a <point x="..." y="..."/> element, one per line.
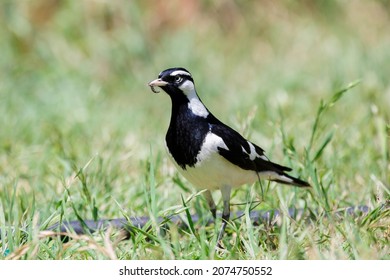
<point x="157" y="83"/>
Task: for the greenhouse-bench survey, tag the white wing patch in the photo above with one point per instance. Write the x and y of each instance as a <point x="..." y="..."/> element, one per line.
<point x="210" y="148"/>
<point x="252" y="152"/>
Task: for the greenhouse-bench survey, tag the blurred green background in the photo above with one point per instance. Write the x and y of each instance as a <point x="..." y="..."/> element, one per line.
<point x="73" y="90"/>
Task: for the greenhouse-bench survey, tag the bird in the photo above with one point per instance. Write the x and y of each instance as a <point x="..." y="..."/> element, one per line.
<point x="208" y="153"/>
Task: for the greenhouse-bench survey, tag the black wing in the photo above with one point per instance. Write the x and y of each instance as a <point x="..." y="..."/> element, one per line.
<point x="239" y="151"/>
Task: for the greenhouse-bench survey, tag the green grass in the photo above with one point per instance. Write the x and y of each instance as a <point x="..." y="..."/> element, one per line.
<point x="82" y="136"/>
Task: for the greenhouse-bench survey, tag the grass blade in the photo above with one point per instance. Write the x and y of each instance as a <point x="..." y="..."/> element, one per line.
<point x="189" y="219"/>
<point x="323" y="146"/>
<point x="324" y="106"/>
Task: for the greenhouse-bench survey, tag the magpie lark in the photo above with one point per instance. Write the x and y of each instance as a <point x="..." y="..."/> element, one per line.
<point x="208" y="153"/>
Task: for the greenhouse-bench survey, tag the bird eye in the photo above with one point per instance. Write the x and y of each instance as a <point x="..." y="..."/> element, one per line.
<point x="178" y="79"/>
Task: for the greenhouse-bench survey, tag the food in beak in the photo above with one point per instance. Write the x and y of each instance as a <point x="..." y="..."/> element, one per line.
<point x="156" y="83"/>
<point x="153" y="88"/>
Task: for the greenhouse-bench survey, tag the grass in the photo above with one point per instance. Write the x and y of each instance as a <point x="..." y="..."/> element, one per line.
<point x="81" y="135"/>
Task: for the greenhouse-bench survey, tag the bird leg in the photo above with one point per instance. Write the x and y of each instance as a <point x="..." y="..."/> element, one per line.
<point x="226" y="190"/>
<point x="211" y="203"/>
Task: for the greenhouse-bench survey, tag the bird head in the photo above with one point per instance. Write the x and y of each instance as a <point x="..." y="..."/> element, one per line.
<point x="174" y="81"/>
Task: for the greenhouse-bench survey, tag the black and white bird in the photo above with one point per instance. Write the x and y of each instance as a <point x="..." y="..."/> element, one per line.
<point x="208" y="153"/>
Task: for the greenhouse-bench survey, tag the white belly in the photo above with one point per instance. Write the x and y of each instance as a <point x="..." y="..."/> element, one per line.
<point x="216" y="171"/>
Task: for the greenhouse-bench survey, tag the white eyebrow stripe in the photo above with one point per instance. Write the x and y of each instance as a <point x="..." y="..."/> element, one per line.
<point x="180" y="72"/>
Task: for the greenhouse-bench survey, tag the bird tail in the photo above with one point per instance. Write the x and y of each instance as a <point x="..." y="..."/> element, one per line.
<point x="286" y="179"/>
